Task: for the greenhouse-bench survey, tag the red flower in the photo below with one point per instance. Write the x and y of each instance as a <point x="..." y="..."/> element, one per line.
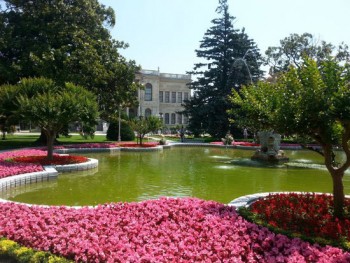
<point x="57" y="159"/>
<point x="308" y="214"/>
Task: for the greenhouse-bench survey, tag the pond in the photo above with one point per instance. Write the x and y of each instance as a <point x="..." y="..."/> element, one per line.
<point x="208" y="173"/>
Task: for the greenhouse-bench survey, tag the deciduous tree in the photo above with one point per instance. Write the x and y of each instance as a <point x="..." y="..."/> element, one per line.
<point x="52" y="107"/>
<point x="145" y="125"/>
<point x="295" y="47"/>
<point x="312" y="101"/>
<point x="66" y="41"/>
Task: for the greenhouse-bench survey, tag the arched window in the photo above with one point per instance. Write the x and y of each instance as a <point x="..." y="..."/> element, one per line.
<point x="148" y="92"/>
<point x="166" y="118"/>
<point x="148" y="112"/>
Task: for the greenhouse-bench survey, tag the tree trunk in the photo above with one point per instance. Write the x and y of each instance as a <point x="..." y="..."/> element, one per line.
<point x="140" y="137"/>
<point x="42" y="140"/>
<point x="338" y="194"/>
<point x="51" y="136"/>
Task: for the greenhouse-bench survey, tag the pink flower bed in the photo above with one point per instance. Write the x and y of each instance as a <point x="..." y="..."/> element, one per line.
<point x="238" y="143"/>
<point x="8" y="168"/>
<point x="136" y="145"/>
<point x="87" y="145"/>
<point x="164" y="230"/>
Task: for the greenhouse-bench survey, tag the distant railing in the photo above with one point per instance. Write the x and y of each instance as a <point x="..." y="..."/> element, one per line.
<point x="175" y="76"/>
<point x="150" y="72"/>
<point x="165" y="75"/>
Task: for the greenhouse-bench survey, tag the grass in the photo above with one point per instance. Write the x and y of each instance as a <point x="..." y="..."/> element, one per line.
<point x="29" y="140"/>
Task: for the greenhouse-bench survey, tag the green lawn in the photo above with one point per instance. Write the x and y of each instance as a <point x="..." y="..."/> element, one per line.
<point x="21" y="141"/>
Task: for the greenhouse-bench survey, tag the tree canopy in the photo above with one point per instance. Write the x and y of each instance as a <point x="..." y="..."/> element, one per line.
<point x="311" y="101"/>
<point x="52" y="107"/>
<point x="295" y="47"/>
<point x="230" y="59"/>
<point x="66" y="41"/>
<point x="145" y="125"/>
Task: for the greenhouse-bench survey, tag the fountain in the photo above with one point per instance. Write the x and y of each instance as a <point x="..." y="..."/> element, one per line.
<point x="270" y="148"/>
<point x="269" y="141"/>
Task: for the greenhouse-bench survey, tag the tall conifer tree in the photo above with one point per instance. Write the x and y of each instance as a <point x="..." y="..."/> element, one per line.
<point x="231" y="60"/>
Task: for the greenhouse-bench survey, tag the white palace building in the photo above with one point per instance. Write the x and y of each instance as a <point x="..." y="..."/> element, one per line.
<point x="163" y="95"/>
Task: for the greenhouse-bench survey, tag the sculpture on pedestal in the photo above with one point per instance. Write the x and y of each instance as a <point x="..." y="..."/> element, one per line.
<point x="269" y="148"/>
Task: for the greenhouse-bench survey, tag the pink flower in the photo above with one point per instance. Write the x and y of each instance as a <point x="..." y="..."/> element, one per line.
<point x="164" y="230"/>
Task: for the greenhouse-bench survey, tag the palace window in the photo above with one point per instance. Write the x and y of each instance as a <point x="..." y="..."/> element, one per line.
<point x="186" y="96"/>
<point x="179" y="97"/>
<point x="148" y="112"/>
<point x="179" y="118"/>
<point x="166" y="118"/>
<point x="173" y="116"/>
<point x="173" y="97"/>
<point x="148" y="92"/>
<point x="161" y="96"/>
<point x="167" y="97"/>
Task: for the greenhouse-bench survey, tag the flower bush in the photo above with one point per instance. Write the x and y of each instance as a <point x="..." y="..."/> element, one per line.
<point x="10" y="168"/>
<point x="307" y="214"/>
<point x="57" y="159"/>
<point x="86" y="145"/>
<point x="143" y="145"/>
<point x="164" y="230"/>
<point x="237" y="143"/>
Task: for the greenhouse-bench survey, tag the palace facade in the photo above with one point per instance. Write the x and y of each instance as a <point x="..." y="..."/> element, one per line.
<point x="163" y="95"/>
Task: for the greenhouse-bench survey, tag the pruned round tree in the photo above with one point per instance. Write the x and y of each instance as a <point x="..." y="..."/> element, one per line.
<point x="312" y="101"/>
<point x="52" y="107"/>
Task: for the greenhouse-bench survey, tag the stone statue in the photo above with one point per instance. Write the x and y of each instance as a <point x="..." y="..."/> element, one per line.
<point x="269" y="147"/>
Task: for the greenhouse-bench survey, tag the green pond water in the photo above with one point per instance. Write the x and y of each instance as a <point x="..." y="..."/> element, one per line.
<point x="207" y="173"/>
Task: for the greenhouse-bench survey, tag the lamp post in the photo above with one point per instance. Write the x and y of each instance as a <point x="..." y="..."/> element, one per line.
<point x="161" y="119"/>
<point x="119" y="124"/>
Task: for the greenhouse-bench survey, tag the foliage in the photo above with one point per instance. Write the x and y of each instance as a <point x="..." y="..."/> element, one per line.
<point x="13" y="251"/>
<point x="231" y="60"/>
<point x="311" y="102"/>
<point x="126" y="133"/>
<point x="53" y="107"/>
<point x="145" y="125"/>
<point x="294" y="48"/>
<point x="7" y="106"/>
<point x="301" y="215"/>
<point x="66" y="41"/>
<point x="172" y="229"/>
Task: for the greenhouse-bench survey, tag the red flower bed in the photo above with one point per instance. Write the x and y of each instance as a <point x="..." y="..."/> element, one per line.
<point x="135" y="145"/>
<point x="57" y="159"/>
<point x="305" y="214"/>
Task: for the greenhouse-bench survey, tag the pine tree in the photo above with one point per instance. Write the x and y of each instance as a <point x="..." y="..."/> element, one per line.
<point x="231" y="60"/>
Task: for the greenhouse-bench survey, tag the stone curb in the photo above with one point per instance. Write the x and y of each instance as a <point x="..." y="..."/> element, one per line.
<point x="92" y="163"/>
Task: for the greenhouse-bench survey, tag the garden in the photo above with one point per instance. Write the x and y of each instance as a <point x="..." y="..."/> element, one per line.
<point x="282" y="228"/>
<point x="58" y="69"/>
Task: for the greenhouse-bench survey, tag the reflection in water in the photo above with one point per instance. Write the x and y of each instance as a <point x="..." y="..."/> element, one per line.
<point x="207" y="173"/>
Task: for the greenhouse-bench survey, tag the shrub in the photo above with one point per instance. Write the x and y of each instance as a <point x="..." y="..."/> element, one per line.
<point x="127" y="134"/>
<point x="11" y="251"/>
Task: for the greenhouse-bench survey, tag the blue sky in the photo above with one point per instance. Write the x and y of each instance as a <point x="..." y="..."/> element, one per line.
<point x="165" y="33"/>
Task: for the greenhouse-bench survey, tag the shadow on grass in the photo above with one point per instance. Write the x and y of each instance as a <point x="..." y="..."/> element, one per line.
<point x="30" y="140"/>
